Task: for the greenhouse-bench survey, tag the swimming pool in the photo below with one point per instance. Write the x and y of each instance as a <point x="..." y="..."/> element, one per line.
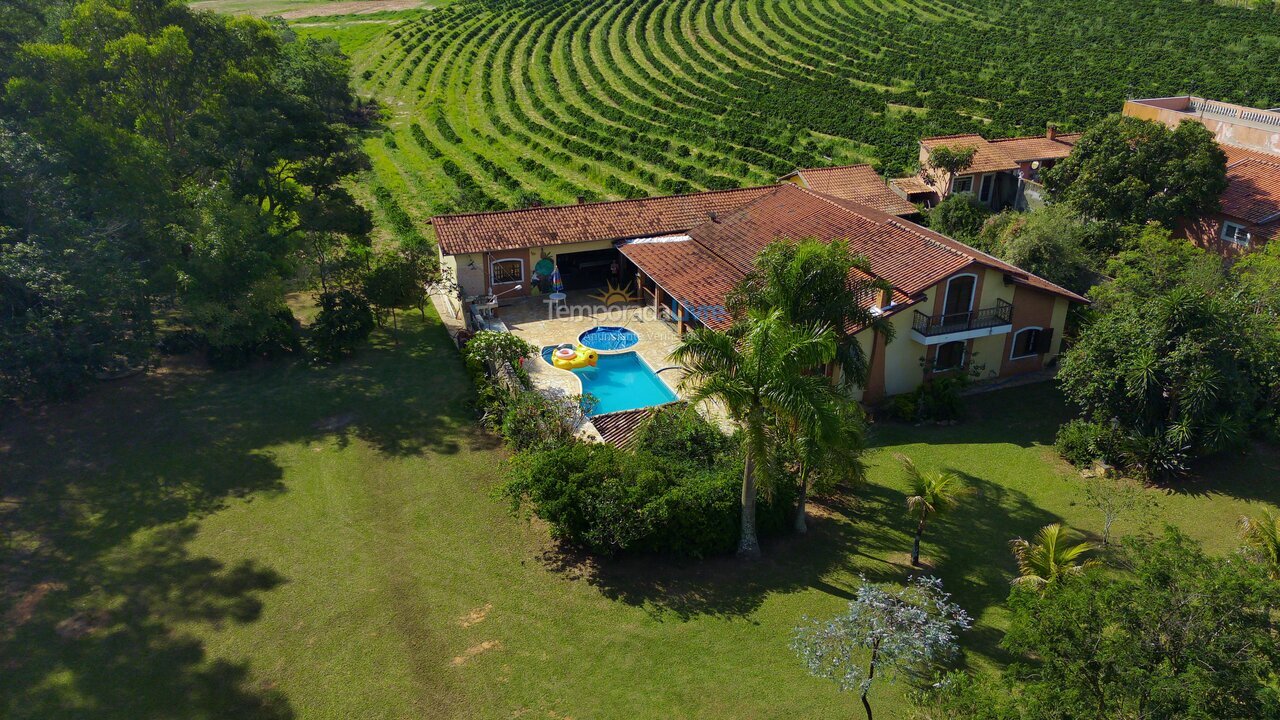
<point x="620" y="382"/>
<point x="608" y="337"/>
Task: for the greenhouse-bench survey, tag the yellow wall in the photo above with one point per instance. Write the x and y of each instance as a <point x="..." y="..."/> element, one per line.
<point x="902" y="371"/>
<point x="1060" y="307"/>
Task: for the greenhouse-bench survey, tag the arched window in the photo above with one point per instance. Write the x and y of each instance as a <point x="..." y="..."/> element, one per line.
<point x="950" y="356"/>
<point x="505" y="272"/>
<point x="959" y="296"/>
<point x="1031" y="341"/>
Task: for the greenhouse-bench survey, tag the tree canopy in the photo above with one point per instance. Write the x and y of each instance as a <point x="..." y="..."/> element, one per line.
<point x="1128" y="170"/>
<point x="159" y="160"/>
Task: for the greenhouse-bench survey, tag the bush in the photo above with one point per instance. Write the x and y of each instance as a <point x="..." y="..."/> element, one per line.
<point x="273" y="335"/>
<point x="1078" y="442"/>
<point x="676" y="494"/>
<point x="935" y="400"/>
<point x="345" y="321"/>
<point x="499" y="347"/>
<point x="960" y="216"/>
<point x="532" y="420"/>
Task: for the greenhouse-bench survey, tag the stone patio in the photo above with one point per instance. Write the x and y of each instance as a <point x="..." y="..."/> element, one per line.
<point x="531" y="319"/>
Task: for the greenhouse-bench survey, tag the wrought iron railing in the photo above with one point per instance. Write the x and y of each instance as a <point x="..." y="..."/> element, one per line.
<point x="930" y="325"/>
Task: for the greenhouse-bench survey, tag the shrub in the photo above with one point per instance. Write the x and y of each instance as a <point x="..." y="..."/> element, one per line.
<point x="676" y="494"/>
<point x="1078" y="441"/>
<point x="531" y="420"/>
<point x="499" y="347"/>
<point x="935" y="400"/>
<point x="961" y="216"/>
<point x="345" y="321"/>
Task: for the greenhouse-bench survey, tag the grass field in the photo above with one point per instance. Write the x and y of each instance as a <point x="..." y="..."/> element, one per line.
<point x="292" y="541"/>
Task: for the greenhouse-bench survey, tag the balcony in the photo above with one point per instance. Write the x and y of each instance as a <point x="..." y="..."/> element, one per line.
<point x="938" y="329"/>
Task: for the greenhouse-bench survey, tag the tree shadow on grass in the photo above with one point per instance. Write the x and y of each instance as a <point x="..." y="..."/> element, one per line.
<point x="103" y="643"/>
<point x="101" y="496"/>
<point x="1252" y="474"/>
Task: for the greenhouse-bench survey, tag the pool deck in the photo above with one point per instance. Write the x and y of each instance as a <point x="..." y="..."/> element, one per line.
<point x="529" y="318"/>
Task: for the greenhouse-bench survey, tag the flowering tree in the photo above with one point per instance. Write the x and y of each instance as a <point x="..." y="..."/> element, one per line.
<point x="906" y="628"/>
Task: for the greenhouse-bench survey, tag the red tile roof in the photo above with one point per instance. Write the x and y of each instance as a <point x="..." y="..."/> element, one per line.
<point x="616" y="220"/>
<point x="1253" y="190"/>
<point x="1037" y="147"/>
<point x="1005" y="153"/>
<point x="699" y="271"/>
<point x="986" y="157"/>
<point x="912" y="185"/>
<point x="859" y="183"/>
<point x="619" y="428"/>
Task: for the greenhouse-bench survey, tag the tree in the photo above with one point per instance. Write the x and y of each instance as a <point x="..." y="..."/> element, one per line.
<point x="394" y="283"/>
<point x="951" y="160"/>
<point x="1181" y="634"/>
<point x="929" y="494"/>
<point x="344" y="322"/>
<point x="1261" y="536"/>
<point x="828" y="446"/>
<point x="1131" y="171"/>
<point x="1168" y="357"/>
<point x="1114" y="496"/>
<point x="959" y="216"/>
<point x="1049" y="557"/>
<point x="1048" y="241"/>
<point x="909" y="628"/>
<point x="816" y="282"/>
<point x="758" y="371"/>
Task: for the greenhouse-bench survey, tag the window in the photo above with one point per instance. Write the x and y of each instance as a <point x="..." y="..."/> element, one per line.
<point x="959" y="298"/>
<point x="988" y="182"/>
<point x="950" y="356"/>
<point x="1235" y="232"/>
<point x="962" y="184"/>
<point x="506" y="271"/>
<point x="1031" y="341"/>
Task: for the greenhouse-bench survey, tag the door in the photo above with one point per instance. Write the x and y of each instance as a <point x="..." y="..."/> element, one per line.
<point x="959" y="299"/>
<point x="988" y="183"/>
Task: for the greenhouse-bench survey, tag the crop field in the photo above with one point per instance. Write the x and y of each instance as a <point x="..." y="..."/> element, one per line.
<point x="498" y="105"/>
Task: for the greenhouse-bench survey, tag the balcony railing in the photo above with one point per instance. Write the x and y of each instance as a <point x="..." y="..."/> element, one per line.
<point x="933" y="325"/>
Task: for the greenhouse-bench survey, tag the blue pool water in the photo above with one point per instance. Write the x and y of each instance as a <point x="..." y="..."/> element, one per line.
<point x="620" y="382"/>
<point x="606" y="337"/>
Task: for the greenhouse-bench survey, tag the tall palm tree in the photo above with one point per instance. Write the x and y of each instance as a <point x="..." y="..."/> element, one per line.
<point x="829" y="447"/>
<point x="1262" y="538"/>
<point x="817" y="283"/>
<point x="1049" y="557"/>
<point x="931" y="494"/>
<point x="757" y="370"/>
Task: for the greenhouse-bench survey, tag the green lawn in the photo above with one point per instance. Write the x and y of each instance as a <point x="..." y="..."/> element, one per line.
<point x="321" y="543"/>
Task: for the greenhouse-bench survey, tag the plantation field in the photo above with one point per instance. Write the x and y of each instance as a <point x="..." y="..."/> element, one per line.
<point x="293" y="9"/>
<point x="501" y="104"/>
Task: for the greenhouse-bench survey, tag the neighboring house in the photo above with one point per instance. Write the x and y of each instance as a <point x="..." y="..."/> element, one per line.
<point x="1250" y="214"/>
<point x="953" y="308"/>
<point x="857" y="183"/>
<point x="1001" y="174"/>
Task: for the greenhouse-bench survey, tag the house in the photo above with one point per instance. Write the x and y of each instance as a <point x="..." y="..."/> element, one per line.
<point x="1000" y="175"/>
<point x="1250" y="213"/>
<point x="856" y="183"/>
<point x="953" y="308"/>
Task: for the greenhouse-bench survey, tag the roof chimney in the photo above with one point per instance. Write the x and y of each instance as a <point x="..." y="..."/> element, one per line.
<point x="886" y="297"/>
<point x="1051" y="131"/>
<point x="582" y="199"/>
<point x="715" y="218"/>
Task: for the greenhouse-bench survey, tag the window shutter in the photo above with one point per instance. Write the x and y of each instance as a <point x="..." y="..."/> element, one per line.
<point x="1044" y="341"/>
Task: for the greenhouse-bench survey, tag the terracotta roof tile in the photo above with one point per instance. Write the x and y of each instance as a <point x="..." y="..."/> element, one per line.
<point x="616" y="220"/>
<point x="701" y="270"/>
<point x="619" y="428"/>
<point x="1036" y="147"/>
<point x="912" y="185"/>
<point x="1253" y="190"/>
<point x="986" y="157"/>
<point x="859" y="183"/>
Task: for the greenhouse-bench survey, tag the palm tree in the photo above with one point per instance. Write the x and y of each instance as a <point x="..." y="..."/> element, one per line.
<point x="931" y="494"/>
<point x="817" y="283"/>
<point x="829" y="447"/>
<point x="1049" y="557"/>
<point x="757" y="370"/>
<point x="1262" y="538"/>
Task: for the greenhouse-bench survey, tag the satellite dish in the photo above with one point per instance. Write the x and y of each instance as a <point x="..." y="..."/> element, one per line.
<point x="1035" y="165"/>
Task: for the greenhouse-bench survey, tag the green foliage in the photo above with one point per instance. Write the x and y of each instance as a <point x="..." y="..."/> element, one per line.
<point x="1183" y="635"/>
<point x="528" y="419"/>
<point x="1048" y="241"/>
<point x="1132" y="171"/>
<point x="345" y="320"/>
<point x="170" y="160"/>
<point x="1081" y="442"/>
<point x="499" y="348"/>
<point x="937" y="399"/>
<point x="960" y="216"/>
<point x="1172" y="358"/>
<point x="656" y="498"/>
<point x="950" y="161"/>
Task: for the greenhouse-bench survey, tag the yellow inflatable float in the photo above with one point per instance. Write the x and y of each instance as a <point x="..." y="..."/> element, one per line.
<point x="570" y="357"/>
